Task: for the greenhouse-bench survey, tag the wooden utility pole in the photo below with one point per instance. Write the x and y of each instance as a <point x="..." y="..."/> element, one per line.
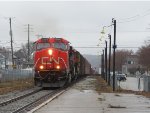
<point x="11" y="40"/>
<point x="109" y="59"/>
<point x="114" y="54"/>
<point x="102" y="58"/>
<point x="106" y="61"/>
<point x="28" y="43"/>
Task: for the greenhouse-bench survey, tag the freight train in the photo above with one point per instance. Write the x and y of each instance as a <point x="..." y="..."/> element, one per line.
<point x="57" y="63"/>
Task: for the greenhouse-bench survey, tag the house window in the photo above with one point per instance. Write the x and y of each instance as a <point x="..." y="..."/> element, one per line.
<point x="130" y="62"/>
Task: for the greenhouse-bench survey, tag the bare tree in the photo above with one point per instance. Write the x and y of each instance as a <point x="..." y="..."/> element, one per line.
<point x="144" y="55"/>
<point x="23" y="52"/>
<point x="121" y="56"/>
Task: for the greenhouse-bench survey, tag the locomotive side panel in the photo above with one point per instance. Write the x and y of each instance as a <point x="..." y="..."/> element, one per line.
<point x="87" y="67"/>
<point x="82" y="65"/>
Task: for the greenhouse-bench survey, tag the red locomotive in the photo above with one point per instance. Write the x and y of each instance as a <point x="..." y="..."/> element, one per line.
<point x="56" y="63"/>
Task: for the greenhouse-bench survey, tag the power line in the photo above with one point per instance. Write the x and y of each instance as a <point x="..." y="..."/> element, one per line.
<point x="136" y="17"/>
<point x="88" y="47"/>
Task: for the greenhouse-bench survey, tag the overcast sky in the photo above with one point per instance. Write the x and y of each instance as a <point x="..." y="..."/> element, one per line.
<point x="79" y="22"/>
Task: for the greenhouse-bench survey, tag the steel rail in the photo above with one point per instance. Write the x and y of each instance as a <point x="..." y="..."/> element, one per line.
<point x="37" y="102"/>
<point x="18" y="98"/>
<point x="44" y="98"/>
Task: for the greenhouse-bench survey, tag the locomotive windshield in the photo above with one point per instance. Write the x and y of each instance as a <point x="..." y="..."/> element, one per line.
<point x="42" y="46"/>
<point x="60" y="45"/>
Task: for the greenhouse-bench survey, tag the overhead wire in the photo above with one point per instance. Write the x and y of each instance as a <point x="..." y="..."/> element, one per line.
<point x="136" y="17"/>
<point x="133" y="18"/>
<point x="130" y="19"/>
<point x="104" y="46"/>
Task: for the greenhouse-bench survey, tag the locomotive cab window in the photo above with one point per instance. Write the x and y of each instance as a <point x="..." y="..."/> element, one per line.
<point x="60" y="45"/>
<point x="40" y="46"/>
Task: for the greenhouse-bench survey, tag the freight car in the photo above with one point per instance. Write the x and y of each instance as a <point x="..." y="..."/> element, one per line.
<point x="57" y="63"/>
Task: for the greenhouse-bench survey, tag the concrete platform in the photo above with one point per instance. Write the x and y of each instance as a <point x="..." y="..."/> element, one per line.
<point x="85" y="99"/>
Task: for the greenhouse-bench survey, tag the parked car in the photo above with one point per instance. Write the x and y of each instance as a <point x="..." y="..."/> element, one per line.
<point x="121" y="77"/>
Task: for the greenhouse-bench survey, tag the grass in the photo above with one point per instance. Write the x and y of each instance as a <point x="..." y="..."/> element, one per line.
<point x="10" y="86"/>
<point x="102" y="86"/>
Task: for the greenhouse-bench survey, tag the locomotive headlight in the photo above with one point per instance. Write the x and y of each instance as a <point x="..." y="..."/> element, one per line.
<point x="41" y="67"/>
<point x="50" y="52"/>
<point x="57" y="67"/>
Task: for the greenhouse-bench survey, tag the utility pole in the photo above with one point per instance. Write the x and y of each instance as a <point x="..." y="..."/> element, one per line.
<point x="28" y="43"/>
<point x="114" y="53"/>
<point x="5" y="58"/>
<point x="11" y="42"/>
<point x="106" y="61"/>
<point x="102" y="64"/>
<point x="109" y="58"/>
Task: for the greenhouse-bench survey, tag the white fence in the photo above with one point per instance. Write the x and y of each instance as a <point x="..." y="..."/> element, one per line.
<point x="15" y="74"/>
<point x="147" y="83"/>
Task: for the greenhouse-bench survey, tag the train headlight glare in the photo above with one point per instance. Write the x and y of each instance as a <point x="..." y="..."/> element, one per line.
<point x="57" y="67"/>
<point x="41" y="67"/>
<point x="50" y="52"/>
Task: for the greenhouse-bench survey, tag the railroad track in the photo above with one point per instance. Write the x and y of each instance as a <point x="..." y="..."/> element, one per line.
<point x="44" y="99"/>
<point x="4" y="103"/>
<point x="39" y="101"/>
<point x="27" y="102"/>
<point x="24" y="103"/>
